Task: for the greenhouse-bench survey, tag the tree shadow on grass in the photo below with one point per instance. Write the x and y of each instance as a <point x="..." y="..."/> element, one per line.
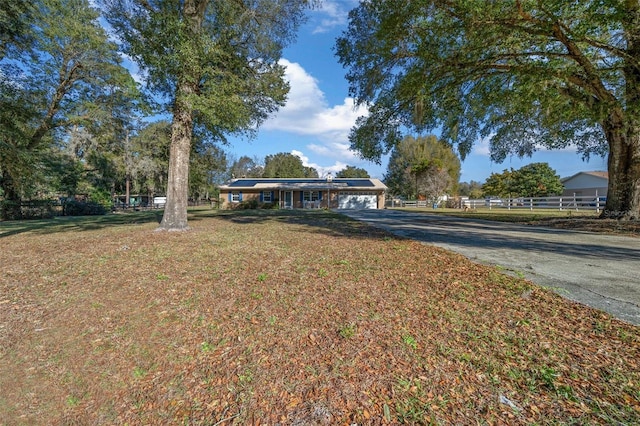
<point x="319" y="221"/>
<point x="78" y="223"/>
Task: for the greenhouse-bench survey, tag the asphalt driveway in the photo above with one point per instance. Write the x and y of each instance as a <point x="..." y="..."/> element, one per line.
<point x="599" y="270"/>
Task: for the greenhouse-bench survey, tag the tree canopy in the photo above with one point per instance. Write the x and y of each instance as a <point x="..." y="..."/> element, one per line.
<point x="65" y="74"/>
<point x="215" y="63"/>
<point x="16" y="16"/>
<point x="246" y="167"/>
<point x="522" y="73"/>
<point x="472" y="189"/>
<point x="532" y="180"/>
<point x="352" y="172"/>
<point x="286" y="165"/>
<point x="423" y="166"/>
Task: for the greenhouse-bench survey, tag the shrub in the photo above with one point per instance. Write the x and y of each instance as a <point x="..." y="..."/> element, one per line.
<point x="82" y="208"/>
<point x="247" y="205"/>
<point x="253" y="204"/>
<point x="33" y="209"/>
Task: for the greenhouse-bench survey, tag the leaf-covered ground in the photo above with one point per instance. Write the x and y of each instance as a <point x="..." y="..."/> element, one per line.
<point x="291" y="318"/>
<point x="609" y="226"/>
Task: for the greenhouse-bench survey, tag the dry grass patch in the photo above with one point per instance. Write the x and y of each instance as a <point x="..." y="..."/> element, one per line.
<point x="296" y="318"/>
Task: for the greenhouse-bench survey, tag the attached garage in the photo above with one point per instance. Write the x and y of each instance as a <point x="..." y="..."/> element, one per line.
<point x="357" y="200"/>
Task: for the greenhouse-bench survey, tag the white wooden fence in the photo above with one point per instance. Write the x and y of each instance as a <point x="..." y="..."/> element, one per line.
<point x="568" y="202"/>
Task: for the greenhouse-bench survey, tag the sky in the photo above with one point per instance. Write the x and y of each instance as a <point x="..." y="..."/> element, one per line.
<point x="315" y="122"/>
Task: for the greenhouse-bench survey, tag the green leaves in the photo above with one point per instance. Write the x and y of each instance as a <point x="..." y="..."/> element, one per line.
<point x="513" y="71"/>
<point x="424" y="166"/>
<point x="533" y="180"/>
<point x="63" y="74"/>
<point x="285" y="165"/>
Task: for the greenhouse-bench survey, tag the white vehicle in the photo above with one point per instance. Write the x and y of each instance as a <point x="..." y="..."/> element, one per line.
<point x="159" y="202"/>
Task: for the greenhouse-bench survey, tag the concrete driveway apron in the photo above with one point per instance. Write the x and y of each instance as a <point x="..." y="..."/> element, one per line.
<point x="598" y="270"/>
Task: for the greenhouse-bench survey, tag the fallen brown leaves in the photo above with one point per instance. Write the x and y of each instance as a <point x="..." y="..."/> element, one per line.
<point x="590" y="224"/>
<point x="293" y="318"/>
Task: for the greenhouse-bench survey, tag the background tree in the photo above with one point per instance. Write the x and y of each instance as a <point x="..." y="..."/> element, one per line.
<point x="216" y="63"/>
<point x="207" y="170"/>
<point x="522" y="73"/>
<point x="414" y="163"/>
<point x="68" y="75"/>
<point x="352" y="172"/>
<point x="286" y="165"/>
<point x="93" y="164"/>
<point x="532" y="180"/>
<point x="432" y="179"/>
<point x="150" y="158"/>
<point x="472" y="189"/>
<point x="246" y="167"/>
<point x="537" y="180"/>
<point x="500" y="184"/>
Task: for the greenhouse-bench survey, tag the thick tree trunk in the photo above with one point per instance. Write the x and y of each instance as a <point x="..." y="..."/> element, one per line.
<point x="623" y="194"/>
<point x="175" y="210"/>
<point x="622" y="129"/>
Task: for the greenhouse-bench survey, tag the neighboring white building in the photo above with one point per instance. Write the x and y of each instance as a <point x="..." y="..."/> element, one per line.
<point x="584" y="184"/>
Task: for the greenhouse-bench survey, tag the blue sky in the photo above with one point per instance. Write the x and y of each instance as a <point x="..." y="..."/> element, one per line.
<point x="316" y="120"/>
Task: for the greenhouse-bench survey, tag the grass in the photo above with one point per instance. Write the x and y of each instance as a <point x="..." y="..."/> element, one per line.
<point x="289" y="317"/>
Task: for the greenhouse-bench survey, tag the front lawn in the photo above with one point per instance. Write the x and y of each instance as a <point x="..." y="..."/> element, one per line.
<point x="292" y="318"/>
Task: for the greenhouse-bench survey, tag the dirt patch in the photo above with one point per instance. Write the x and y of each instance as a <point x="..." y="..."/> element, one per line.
<point x="296" y="319"/>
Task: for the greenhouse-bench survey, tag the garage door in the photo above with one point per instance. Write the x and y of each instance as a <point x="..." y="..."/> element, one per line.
<point x="357" y="201"/>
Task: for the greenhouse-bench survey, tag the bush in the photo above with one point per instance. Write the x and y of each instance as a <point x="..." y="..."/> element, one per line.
<point x="247" y="205"/>
<point x="33" y="209"/>
<point x="254" y="204"/>
<point x="82" y="208"/>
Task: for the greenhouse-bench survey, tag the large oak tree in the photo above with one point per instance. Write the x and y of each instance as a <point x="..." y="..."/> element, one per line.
<point x="60" y="71"/>
<point x="215" y="63"/>
<point x="525" y="74"/>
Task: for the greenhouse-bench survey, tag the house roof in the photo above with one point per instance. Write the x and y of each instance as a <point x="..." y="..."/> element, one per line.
<point x="304" y="184"/>
<point x="598" y="174"/>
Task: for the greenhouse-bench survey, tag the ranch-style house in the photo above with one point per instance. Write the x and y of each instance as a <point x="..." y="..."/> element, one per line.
<point x="290" y="193"/>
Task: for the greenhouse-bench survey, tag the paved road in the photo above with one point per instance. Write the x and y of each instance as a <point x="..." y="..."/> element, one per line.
<point x="598" y="270"/>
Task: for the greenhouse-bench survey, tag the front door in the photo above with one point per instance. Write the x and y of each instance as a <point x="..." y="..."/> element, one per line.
<point x="288" y="199"/>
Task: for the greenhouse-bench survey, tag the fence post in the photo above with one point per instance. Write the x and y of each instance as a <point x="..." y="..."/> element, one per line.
<point x="560" y="203"/>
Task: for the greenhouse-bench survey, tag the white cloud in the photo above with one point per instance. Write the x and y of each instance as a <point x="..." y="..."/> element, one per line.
<point x="334" y="14"/>
<point x="334" y="150"/>
<point x="323" y="171"/>
<point x="308" y="113"/>
<point x="482" y="147"/>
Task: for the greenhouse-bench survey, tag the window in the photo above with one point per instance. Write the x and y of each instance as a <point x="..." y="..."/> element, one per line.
<point x="311" y="196"/>
<point x="266" y="196"/>
<point x="235" y="197"/>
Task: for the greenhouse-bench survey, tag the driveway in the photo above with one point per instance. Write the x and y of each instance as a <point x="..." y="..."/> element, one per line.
<point x="602" y="271"/>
